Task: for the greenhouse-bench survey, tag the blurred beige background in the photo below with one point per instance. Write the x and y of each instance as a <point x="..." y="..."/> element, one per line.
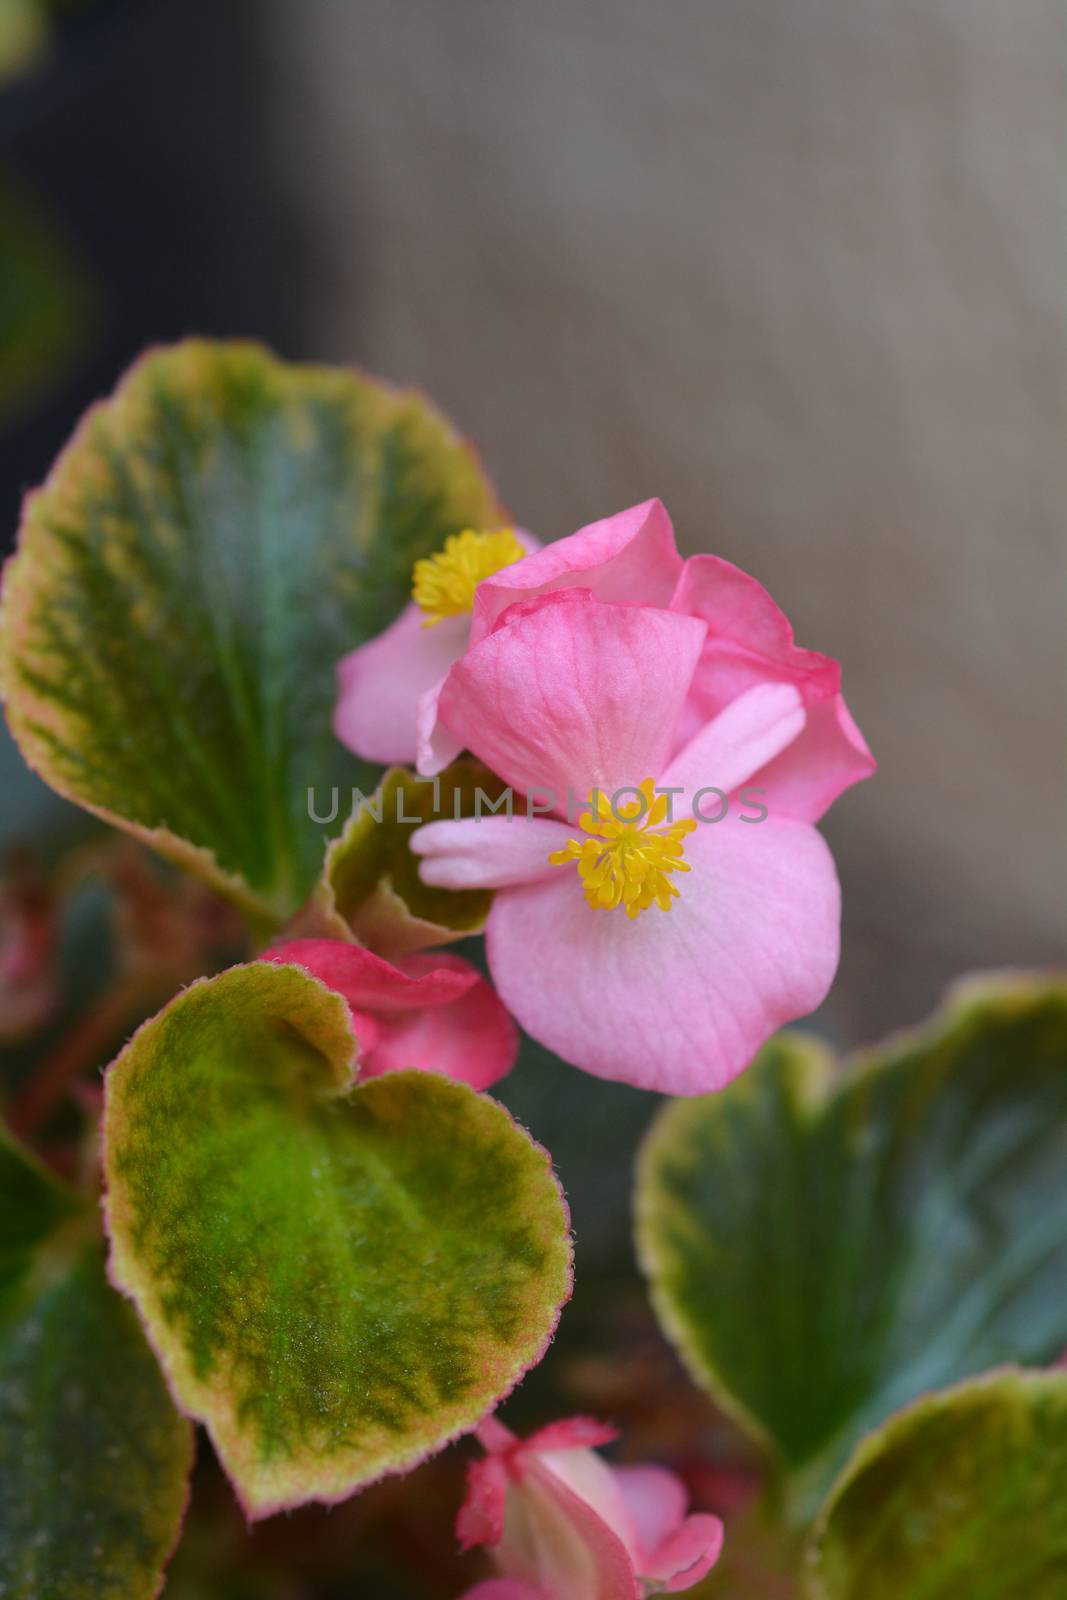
<point x="794" y="266"/>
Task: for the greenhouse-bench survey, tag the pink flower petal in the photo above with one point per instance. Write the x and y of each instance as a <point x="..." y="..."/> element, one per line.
<point x="630" y="558"/>
<point x="677" y="1001"/>
<point x="826" y="759"/>
<point x="750" y="641"/>
<point x="574" y="696"/>
<point x="562" y="1545"/>
<point x="488" y="852"/>
<point x="472" y="1040"/>
<point x="739" y="741"/>
<point x="674" y="1549"/>
<point x="370" y="983"/>
<point x="688" y="1554"/>
<point x="656" y="1501"/>
<point x="481" y="1516"/>
<point x="570" y="1433"/>
<point x="381" y="684"/>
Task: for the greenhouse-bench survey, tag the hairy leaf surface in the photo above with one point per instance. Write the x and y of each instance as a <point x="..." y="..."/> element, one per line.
<point x="214" y="538"/>
<point x="337" y="1280"/>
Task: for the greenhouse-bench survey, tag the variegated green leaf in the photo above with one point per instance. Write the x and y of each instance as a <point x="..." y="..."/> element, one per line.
<point x="822" y="1249"/>
<point x="370" y="887"/>
<point x="93" y="1456"/>
<point x="960" y="1497"/>
<point x="215" y="537"/>
<point x="337" y="1281"/>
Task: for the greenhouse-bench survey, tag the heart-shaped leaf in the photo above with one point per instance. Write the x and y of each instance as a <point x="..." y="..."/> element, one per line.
<point x="93" y="1456"/>
<point x="213" y="540"/>
<point x="822" y="1252"/>
<point x="370" y="887"/>
<point x="960" y="1497"/>
<point x="337" y="1282"/>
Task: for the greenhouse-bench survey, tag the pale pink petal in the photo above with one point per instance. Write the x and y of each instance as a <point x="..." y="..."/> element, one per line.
<point x="481" y="1516"/>
<point x="827" y="758"/>
<point x="504" y="1589"/>
<point x="380" y="684"/>
<point x="591" y="1478"/>
<point x="741" y="740"/>
<point x="750" y="641"/>
<point x="672" y="1548"/>
<point x="436" y="747"/>
<point x="656" y="1501"/>
<point x="472" y="1040"/>
<point x="630" y="558"/>
<point x="574" y="696"/>
<point x="488" y="852"/>
<point x="689" y="1553"/>
<point x="370" y="983"/>
<point x="677" y="1001"/>
<point x="559" y="1544"/>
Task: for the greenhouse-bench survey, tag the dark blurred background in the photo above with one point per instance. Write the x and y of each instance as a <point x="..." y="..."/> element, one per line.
<point x="795" y="266"/>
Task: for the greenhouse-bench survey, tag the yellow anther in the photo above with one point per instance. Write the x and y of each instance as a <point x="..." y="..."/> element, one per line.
<point x="629" y="856"/>
<point x="443" y="585"/>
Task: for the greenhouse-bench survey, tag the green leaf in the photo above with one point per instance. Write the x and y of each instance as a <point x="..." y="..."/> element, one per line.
<point x="958" y="1498"/>
<point x="337" y="1282"/>
<point x="822" y="1254"/>
<point x="93" y="1456"/>
<point x="370" y="886"/>
<point x="213" y="540"/>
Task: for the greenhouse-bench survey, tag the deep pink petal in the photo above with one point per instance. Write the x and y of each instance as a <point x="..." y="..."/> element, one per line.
<point x="677" y="1001"/>
<point x="630" y="558"/>
<point x="472" y="1040"/>
<point x="370" y="983"/>
<point x="656" y="1501"/>
<point x="574" y="696"/>
<point x="748" y="733"/>
<point x="750" y="641"/>
<point x="570" y="1433"/>
<point x="488" y="852"/>
<point x="481" y="1516"/>
<point x="380" y="684"/>
<point x="688" y="1554"/>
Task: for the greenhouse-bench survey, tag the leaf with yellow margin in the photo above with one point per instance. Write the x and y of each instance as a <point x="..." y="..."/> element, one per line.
<point x="337" y="1280"/>
<point x="211" y="542"/>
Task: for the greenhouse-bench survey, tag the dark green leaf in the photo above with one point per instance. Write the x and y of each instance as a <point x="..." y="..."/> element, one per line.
<point x="821" y="1255"/>
<point x="93" y="1456"/>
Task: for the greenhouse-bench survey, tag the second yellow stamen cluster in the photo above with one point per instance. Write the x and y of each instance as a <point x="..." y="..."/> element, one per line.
<point x="630" y="855"/>
<point x="443" y="585"/>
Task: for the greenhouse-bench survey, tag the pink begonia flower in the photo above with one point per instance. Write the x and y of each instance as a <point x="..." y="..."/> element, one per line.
<point x="604" y="663"/>
<point x="433" y="1011"/>
<point x="381" y="684"/>
<point x="632" y="559"/>
<point x="564" y="1525"/>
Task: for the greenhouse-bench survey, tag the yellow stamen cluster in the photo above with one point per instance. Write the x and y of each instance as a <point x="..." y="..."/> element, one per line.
<point x="629" y="857"/>
<point x="443" y="585"/>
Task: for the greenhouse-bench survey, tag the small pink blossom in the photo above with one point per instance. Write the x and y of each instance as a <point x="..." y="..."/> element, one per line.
<point x="381" y="684"/>
<point x="564" y="1525"/>
<point x="434" y="1012"/>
